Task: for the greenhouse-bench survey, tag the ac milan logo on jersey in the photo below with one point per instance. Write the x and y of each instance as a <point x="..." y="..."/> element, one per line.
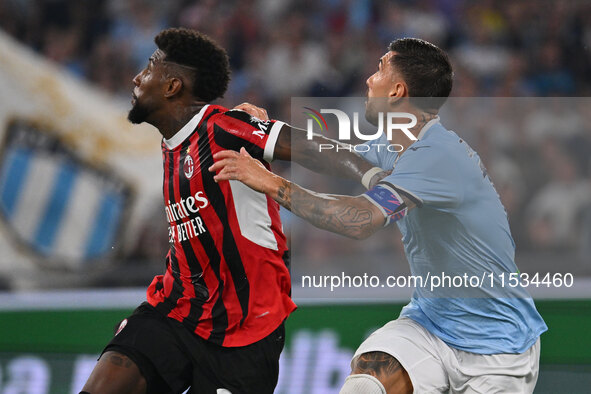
<point x="188" y="166"/>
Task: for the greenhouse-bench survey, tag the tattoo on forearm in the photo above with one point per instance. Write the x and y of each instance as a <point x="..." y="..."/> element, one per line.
<point x="376" y="363"/>
<point x="284" y="194"/>
<point x="345" y="218"/>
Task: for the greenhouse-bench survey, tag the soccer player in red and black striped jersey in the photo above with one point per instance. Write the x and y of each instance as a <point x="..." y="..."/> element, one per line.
<point x="214" y="320"/>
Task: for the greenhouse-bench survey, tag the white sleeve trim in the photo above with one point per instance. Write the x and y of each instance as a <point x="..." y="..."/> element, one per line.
<point x="272" y="140"/>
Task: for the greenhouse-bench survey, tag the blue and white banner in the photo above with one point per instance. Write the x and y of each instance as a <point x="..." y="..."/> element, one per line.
<point x="58" y="205"/>
<point x="78" y="182"/>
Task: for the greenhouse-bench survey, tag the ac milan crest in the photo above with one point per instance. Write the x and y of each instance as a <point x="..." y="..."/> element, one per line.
<point x="188" y="166"/>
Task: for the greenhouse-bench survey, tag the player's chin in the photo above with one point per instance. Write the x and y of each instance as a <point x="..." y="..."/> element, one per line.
<point x="371" y="115"/>
<point x="137" y="114"/>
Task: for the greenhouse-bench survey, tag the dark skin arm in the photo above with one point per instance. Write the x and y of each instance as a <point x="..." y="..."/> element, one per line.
<point x="353" y="216"/>
<point x="292" y="145"/>
<point x="115" y="373"/>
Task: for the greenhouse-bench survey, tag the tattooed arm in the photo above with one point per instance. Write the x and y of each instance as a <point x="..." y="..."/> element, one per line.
<point x="354" y="217"/>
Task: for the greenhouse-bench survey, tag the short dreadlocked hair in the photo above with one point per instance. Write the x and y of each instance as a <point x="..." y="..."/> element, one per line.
<point x="425" y="68"/>
<point x="210" y="61"/>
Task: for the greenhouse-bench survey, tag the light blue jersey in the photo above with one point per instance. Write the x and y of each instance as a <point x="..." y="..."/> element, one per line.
<point x="458" y="228"/>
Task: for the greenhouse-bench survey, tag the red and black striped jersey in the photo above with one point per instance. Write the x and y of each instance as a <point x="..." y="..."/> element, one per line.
<point x="227" y="276"/>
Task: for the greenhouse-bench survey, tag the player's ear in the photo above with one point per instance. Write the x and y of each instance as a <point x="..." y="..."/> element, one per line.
<point x="172" y="87"/>
<point x="397" y="91"/>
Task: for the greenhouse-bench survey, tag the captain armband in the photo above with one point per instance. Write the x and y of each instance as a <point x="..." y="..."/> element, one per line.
<point x="388" y="201"/>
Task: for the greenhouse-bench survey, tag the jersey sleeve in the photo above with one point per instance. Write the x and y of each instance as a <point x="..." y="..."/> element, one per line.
<point x="371" y="151"/>
<point x="427" y="176"/>
<point x="236" y="129"/>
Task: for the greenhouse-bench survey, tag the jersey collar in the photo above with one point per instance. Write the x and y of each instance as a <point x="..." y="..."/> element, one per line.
<point x="427" y="127"/>
<point x="186" y="131"/>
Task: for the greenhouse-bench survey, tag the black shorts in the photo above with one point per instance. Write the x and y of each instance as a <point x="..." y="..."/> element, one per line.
<point x="171" y="358"/>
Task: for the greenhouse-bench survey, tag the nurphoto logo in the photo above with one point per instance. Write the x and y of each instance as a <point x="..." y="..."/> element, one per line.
<point x="392" y="123"/>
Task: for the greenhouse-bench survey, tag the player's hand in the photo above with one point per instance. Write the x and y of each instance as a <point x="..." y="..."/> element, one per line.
<point x="231" y="165"/>
<point x="253" y="110"/>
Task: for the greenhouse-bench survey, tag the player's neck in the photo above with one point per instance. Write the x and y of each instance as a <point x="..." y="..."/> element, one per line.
<point x="176" y="117"/>
<point x="422" y="119"/>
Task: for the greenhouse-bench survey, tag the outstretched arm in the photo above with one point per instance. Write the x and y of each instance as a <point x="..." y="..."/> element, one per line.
<point x="340" y="160"/>
<point x="355" y="217"/>
<point x="319" y="154"/>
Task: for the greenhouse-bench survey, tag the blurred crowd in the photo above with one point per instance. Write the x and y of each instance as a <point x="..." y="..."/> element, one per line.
<point x="284" y="48"/>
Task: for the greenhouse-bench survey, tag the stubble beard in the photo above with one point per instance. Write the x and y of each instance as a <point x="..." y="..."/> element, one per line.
<point x="371" y="111"/>
<point x="138" y="113"/>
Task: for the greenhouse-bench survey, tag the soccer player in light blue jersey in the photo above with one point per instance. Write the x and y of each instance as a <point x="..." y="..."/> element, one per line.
<point x="466" y="339"/>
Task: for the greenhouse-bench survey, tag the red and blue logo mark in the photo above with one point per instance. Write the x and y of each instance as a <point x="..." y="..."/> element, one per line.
<point x="317" y="117"/>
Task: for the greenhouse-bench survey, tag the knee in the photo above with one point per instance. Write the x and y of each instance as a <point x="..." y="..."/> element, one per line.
<point x="115" y="373"/>
<point x="385" y="369"/>
<point x="362" y="383"/>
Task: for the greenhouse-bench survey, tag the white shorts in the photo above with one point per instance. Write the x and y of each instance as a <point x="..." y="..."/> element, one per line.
<point x="434" y="367"/>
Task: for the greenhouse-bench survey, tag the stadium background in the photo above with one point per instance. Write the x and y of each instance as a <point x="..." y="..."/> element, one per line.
<point x="74" y="259"/>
